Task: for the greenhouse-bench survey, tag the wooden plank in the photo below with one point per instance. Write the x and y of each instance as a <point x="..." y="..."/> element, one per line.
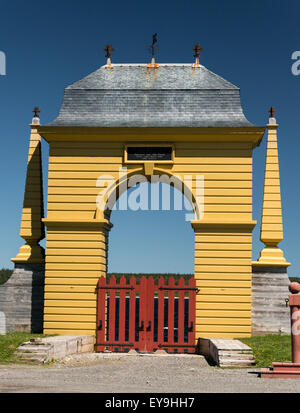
<point x="150" y="314"/>
<point x="171" y="300"/>
<point x="101" y="313"/>
<point x="181" y="295"/>
<point x="192" y="314"/>
<point x="122" y="309"/>
<point x="132" y="310"/>
<point x="143" y="315"/>
<point x="160" y="320"/>
<point x="112" y="311"/>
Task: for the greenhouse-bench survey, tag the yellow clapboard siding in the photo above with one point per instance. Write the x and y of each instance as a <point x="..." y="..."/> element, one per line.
<point x="224" y="254"/>
<point x="205" y="291"/>
<point x="94" y="152"/>
<point x="199" y="152"/>
<point x="64" y="288"/>
<point x="224" y="283"/>
<point x="221" y="298"/>
<point x="273" y="219"/>
<point x="219" y="176"/>
<point x="180" y="167"/>
<point x="72" y="281"/>
<point x="69" y="296"/>
<point x="94" y="252"/>
<point x="74" y="274"/>
<point x="63" y="303"/>
<point x="70" y="318"/>
<point x="100" y="168"/>
<point x="73" y="245"/>
<point x="226" y="307"/>
<point x="95" y="237"/>
<point x="223" y="238"/>
<point x="224" y="321"/>
<point x="77" y="266"/>
<point x="272" y="197"/>
<point x="204" y="169"/>
<point x="211" y="247"/>
<point x="199" y="268"/>
<point x="272" y="226"/>
<point x="220" y="193"/>
<point x="225" y="334"/>
<point x="71" y="310"/>
<point x="202" y="329"/>
<point x="85" y="183"/>
<point x="65" y="331"/>
<point x="70" y="325"/>
<point x="215" y="276"/>
<point x="84" y="259"/>
<point x="222" y="261"/>
<point x="66" y="198"/>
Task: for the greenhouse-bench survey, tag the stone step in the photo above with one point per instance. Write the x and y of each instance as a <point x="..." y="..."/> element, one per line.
<point x="227" y="352"/>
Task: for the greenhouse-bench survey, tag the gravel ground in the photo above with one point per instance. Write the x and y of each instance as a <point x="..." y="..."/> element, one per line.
<point x="123" y="373"/>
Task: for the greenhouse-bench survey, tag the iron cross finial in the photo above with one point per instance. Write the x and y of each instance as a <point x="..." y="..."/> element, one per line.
<point x="154" y="40"/>
<point x="272" y="112"/>
<point x="108" y="49"/>
<point x="36" y="111"/>
<point x="197" y="49"/>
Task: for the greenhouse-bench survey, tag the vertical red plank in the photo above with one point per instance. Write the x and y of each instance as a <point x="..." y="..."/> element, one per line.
<point x="143" y="314"/>
<point x="161" y="311"/>
<point x="192" y="315"/>
<point x="171" y="313"/>
<point x="181" y="284"/>
<point x="112" y="311"/>
<point x="150" y="315"/>
<point x="132" y="310"/>
<point x="122" y="310"/>
<point x="101" y="313"/>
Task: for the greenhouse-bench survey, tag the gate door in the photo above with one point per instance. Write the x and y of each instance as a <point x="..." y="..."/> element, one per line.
<point x="146" y="316"/>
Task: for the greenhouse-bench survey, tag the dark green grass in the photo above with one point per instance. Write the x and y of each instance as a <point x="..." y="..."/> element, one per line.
<point x="267" y="349"/>
<point x="292" y="279"/>
<point x="9" y="343"/>
<point x="4" y="275"/>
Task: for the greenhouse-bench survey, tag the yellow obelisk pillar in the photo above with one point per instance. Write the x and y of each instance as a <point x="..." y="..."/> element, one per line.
<point x="271" y="225"/>
<point x="32" y="227"/>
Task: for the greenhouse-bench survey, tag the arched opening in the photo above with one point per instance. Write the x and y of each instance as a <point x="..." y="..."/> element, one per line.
<point x="150" y="288"/>
<point x="151" y="233"/>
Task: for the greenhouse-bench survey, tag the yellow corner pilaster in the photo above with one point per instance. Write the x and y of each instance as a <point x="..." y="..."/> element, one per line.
<point x="32" y="227"/>
<point x="271" y="224"/>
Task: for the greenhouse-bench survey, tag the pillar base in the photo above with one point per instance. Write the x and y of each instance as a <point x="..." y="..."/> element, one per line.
<point x="22" y="299"/>
<point x="271" y="256"/>
<point x="30" y="254"/>
<point x="270" y="290"/>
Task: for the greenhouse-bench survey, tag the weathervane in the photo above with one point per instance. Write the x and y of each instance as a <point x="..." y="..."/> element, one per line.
<point x="197" y="49"/>
<point x="108" y="50"/>
<point x="152" y="47"/>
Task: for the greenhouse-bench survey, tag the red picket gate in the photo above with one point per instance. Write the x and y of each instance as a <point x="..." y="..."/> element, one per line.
<point x="146" y="316"/>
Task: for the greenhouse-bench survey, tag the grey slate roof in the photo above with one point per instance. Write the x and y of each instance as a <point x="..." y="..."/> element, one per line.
<point x="172" y="95"/>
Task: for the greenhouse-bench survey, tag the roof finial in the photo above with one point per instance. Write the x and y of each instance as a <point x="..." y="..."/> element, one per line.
<point x="36" y="118"/>
<point x="197" y="49"/>
<point x="154" y="40"/>
<point x="108" y="49"/>
<point x="272" y="112"/>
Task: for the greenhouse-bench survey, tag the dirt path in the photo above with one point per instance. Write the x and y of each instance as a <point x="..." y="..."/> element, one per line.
<point x="131" y="374"/>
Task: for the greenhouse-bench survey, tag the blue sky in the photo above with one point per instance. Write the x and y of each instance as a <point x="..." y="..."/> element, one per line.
<point x="51" y="44"/>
